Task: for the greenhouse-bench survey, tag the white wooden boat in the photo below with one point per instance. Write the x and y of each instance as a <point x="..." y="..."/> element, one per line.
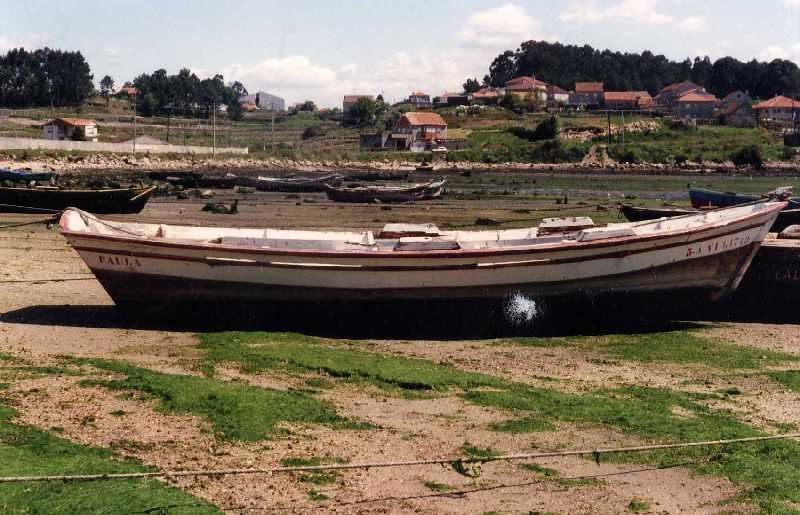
<point x="701" y="255"/>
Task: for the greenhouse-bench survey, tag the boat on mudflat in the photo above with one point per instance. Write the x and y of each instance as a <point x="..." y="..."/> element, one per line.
<point x="387" y="194"/>
<point x="641" y="213"/>
<point x="38" y="200"/>
<point x="6" y="174"/>
<point x="297" y="184"/>
<point x="773" y="279"/>
<point x="786" y="218"/>
<point x="702" y="198"/>
<point x="163" y="175"/>
<point x="147" y="266"/>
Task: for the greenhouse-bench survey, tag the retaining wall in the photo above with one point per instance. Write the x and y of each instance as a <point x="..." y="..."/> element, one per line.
<point x="124" y="148"/>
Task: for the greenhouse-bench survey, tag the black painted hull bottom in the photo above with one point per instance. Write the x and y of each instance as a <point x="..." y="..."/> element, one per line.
<point x="466" y="312"/>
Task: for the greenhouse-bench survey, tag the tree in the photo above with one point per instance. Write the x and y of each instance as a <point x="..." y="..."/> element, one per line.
<point x="44" y="77"/>
<point x="106" y="87"/>
<point x="148" y="105"/>
<point x="363" y="112"/>
<point x="563" y="65"/>
<point x="471" y="86"/>
<point x="308" y="105"/>
<point x="235" y="111"/>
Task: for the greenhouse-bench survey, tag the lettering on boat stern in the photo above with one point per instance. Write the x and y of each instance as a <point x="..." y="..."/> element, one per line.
<point x="119" y="261"/>
<point x="710" y="247"/>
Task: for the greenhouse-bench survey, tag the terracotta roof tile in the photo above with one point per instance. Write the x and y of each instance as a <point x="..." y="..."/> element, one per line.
<point x="588" y="87"/>
<point x="778" y="102"/>
<point x="419" y="118"/>
<point x="77" y="122"/>
<point x="693" y="96"/>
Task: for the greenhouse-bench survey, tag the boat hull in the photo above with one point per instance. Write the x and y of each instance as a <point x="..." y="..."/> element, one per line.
<point x="148" y="272"/>
<point x="701" y="198"/>
<point x="24" y="200"/>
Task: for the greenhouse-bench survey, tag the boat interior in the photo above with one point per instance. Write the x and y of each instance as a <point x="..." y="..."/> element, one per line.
<point x="397" y="237"/>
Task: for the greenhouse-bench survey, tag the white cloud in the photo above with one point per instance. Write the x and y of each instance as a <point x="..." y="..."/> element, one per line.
<point x="27" y="41"/>
<point x="693" y="24"/>
<point x="791" y="4"/>
<point x="778" y="52"/>
<point x="433" y="70"/>
<point x="500" y="27"/>
<point x="590" y="11"/>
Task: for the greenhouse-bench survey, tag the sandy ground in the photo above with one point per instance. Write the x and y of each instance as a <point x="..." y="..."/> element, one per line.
<point x="42" y="321"/>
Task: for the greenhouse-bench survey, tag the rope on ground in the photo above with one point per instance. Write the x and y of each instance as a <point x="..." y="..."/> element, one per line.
<point x="48" y="221"/>
<point x="52" y="280"/>
<point x="30" y="208"/>
<point x="596" y="453"/>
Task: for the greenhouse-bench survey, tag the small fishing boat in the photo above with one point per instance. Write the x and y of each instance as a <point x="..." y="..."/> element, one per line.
<point x="39" y="200"/>
<point x="702" y="198"/>
<point x="376" y="176"/>
<point x="773" y="278"/>
<point x="163" y="175"/>
<point x="6" y="174"/>
<point x="640" y="213"/>
<point x="297" y="184"/>
<point x="786" y="218"/>
<point x="695" y="258"/>
<point x="386" y="194"/>
<point x="222" y="182"/>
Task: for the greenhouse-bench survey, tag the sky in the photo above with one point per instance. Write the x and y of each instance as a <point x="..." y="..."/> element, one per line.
<point x="324" y="49"/>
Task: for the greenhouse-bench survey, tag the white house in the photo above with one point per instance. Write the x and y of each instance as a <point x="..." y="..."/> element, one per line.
<point x="77" y="129"/>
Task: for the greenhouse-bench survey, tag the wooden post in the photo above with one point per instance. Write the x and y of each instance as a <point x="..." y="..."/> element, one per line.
<point x="134" y="125"/>
<point x="609" y="126"/>
<point x="623" y="127"/>
<point x="214" y="130"/>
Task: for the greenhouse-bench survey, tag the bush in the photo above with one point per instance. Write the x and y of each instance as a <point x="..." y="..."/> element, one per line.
<point x="622" y="154"/>
<point x="680" y="159"/>
<point x="312" y="131"/>
<point x="553" y="151"/>
<point x="748" y="156"/>
<point x="548" y="129"/>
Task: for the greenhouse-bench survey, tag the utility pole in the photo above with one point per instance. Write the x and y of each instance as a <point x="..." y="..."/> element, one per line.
<point x="265" y="137"/>
<point x="272" y="137"/>
<point x="169" y="119"/>
<point x="623" y="127"/>
<point x="134" y="124"/>
<point x="214" y="130"/>
<point x="609" y="126"/>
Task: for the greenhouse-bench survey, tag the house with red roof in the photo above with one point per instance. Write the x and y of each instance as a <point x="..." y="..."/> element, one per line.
<point x="419" y="98"/>
<point x="556" y="96"/>
<point x="627" y="100"/>
<point x="696" y="106"/>
<point x="778" y="108"/>
<point x="669" y="95"/>
<point x="420" y="130"/>
<point x="737" y="114"/>
<point x="587" y="94"/>
<point x="486" y="96"/>
<point x="525" y="87"/>
<point x="75" y="129"/>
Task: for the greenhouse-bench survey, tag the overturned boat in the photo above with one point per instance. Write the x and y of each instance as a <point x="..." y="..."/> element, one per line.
<point x="387" y="194"/>
<point x="699" y="257"/>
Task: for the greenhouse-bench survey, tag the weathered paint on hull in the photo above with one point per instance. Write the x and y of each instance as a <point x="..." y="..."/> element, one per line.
<point x="715" y="275"/>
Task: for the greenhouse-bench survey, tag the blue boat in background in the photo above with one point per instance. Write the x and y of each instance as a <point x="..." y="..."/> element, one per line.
<point x="708" y="198"/>
<point x="6" y="174"/>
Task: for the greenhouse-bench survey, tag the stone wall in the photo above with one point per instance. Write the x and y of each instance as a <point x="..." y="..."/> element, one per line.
<point x="125" y="148"/>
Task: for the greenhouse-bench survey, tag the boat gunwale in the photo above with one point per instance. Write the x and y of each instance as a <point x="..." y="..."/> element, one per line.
<point x="139" y="191"/>
<point x="216" y="261"/>
<point x="500" y="251"/>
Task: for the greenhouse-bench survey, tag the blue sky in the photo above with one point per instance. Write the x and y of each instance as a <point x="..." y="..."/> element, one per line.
<point x="324" y="49"/>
